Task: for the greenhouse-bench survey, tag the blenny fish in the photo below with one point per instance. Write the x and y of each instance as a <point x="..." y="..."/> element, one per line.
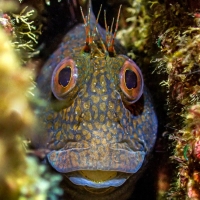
<point x="100" y="125"/>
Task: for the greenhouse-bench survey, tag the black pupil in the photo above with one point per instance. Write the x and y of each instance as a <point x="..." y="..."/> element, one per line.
<point x="130" y="79"/>
<point x="64" y="76"/>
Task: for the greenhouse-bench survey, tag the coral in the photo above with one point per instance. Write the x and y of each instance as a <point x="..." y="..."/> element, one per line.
<point x="26" y="33"/>
<point x="171" y="38"/>
<point x="23" y="29"/>
<point x="21" y="177"/>
<point x="176" y="29"/>
<point x="6" y="23"/>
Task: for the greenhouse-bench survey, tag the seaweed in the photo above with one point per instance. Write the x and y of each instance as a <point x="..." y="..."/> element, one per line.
<point x="177" y="30"/>
<point x="172" y="37"/>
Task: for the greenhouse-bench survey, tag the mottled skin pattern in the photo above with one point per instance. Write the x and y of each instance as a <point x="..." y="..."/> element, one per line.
<point x="91" y="129"/>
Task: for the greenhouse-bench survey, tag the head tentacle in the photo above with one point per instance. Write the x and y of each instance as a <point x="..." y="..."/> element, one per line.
<point x="108" y="48"/>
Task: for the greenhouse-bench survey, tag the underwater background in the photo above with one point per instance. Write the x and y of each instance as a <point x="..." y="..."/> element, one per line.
<point x="161" y="36"/>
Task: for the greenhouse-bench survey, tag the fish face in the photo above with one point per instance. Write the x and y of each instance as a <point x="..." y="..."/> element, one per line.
<point x="99" y="125"/>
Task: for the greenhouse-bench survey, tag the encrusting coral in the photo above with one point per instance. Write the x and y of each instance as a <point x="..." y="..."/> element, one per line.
<point x="178" y="32"/>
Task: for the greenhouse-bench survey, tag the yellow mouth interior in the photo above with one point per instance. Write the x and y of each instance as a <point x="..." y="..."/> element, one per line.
<point x="98" y="176"/>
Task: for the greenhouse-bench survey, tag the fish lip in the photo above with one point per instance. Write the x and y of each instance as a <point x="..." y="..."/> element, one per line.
<point x="117" y="181"/>
<point x="101" y="157"/>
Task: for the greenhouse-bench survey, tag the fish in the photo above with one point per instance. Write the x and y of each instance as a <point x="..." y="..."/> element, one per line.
<point x="99" y="123"/>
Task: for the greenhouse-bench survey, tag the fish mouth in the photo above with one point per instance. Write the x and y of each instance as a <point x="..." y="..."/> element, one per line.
<point x="103" y="158"/>
<point x="97" y="179"/>
<point x="94" y="158"/>
<point x="97" y="167"/>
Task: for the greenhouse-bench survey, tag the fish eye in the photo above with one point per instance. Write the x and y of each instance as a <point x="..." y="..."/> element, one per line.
<point x="131" y="81"/>
<point x="64" y="78"/>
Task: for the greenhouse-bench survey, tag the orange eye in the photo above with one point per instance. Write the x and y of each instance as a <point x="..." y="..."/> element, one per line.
<point x="64" y="78"/>
<point x="131" y="81"/>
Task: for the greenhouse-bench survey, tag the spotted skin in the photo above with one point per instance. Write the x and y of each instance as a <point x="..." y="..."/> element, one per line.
<point x="92" y="129"/>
